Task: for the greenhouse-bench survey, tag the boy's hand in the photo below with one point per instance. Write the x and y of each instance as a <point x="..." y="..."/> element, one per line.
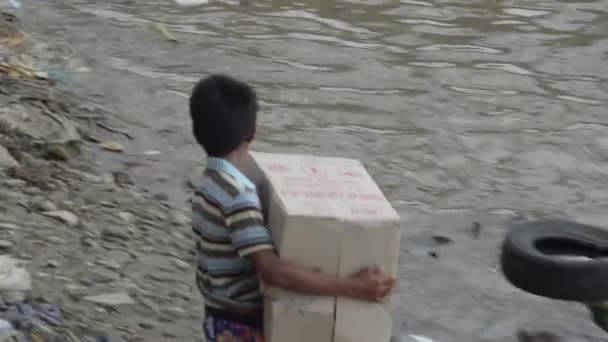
<point x="372" y="284"/>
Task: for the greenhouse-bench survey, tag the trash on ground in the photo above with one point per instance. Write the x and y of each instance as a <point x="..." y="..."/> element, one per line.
<point x="164" y="32"/>
<point x="152" y="153"/>
<point x="112" y="146"/>
<point x="39" y="322"/>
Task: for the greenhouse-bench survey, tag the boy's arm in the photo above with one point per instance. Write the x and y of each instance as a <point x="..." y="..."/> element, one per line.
<point x="252" y="240"/>
<point x="369" y="284"/>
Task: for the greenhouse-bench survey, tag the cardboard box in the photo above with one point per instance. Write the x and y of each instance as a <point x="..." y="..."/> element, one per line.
<point x="326" y="213"/>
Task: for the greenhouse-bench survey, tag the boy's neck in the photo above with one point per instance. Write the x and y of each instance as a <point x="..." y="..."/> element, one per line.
<point x="239" y="158"/>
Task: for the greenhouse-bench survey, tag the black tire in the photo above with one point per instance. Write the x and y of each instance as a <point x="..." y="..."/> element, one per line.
<point x="531" y="260"/>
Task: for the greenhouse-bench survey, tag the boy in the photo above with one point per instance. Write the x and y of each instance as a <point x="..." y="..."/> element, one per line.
<point x="235" y="249"/>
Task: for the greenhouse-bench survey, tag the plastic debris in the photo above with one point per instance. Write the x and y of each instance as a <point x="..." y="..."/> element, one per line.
<point x="164" y="32"/>
<point x="39" y="322"/>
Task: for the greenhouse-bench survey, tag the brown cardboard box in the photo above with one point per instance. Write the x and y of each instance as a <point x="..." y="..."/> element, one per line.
<point x="329" y="214"/>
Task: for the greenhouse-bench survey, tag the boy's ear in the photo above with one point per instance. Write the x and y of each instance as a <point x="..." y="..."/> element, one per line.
<point x="252" y="135"/>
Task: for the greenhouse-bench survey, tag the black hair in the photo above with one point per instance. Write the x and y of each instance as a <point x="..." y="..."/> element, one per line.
<point x="223" y="112"/>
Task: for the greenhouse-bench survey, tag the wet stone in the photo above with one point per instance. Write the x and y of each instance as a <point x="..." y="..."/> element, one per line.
<point x="111" y="299"/>
<point x="180" y="264"/>
<point x="52" y="263"/>
<point x="126" y="217"/>
<point x="56" y="240"/>
<point x="147" y="324"/>
<point x="103" y="275"/>
<point x="8" y="226"/>
<point x="5" y="245"/>
<point x="64" y="216"/>
<point x="113" y="233"/>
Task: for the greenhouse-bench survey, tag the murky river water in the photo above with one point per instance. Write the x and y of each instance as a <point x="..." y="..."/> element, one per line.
<point x="462" y="111"/>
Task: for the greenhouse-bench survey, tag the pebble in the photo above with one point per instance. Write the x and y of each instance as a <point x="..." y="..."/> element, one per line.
<point x="14" y="183"/>
<point x="111" y="299"/>
<point x="147" y="324"/>
<point x="126" y="217"/>
<point x="56" y="240"/>
<point x="111" y="264"/>
<point x="52" y="263"/>
<point x="111" y="233"/>
<point x="4" y="244"/>
<point x="64" y="216"/>
<point x="161" y="197"/>
<point x="6" y="159"/>
<point x="180" y="264"/>
<point x="180" y="219"/>
<point x="104" y="275"/>
<point x="174" y="311"/>
<point x="122" y="178"/>
<point x="42" y="204"/>
<point x="8" y="226"/>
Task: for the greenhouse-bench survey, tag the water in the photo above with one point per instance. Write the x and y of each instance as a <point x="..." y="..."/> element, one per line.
<point x="463" y="111"/>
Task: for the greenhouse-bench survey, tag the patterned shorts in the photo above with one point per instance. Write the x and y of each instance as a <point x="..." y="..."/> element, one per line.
<point x="221" y="330"/>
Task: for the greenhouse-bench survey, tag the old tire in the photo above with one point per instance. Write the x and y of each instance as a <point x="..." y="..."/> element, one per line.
<point x="537" y="258"/>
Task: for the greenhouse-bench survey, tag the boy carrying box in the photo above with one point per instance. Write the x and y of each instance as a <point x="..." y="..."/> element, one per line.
<point x="235" y="248"/>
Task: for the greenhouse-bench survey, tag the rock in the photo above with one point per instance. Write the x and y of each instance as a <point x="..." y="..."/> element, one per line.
<point x="111" y="299"/>
<point x="111" y="264"/>
<point x="13" y="277"/>
<point x="180" y="264"/>
<point x="56" y="240"/>
<point x="180" y="219"/>
<point x="104" y="275"/>
<point x="6" y="159"/>
<point x="174" y="312"/>
<point x="5" y="245"/>
<point x="42" y="204"/>
<point x="126" y="217"/>
<point x="147" y="324"/>
<point x="87" y="242"/>
<point x="64" y="216"/>
<point x="111" y="233"/>
<point x="52" y="263"/>
<point x="14" y="183"/>
<point x="75" y="290"/>
<point x="8" y="226"/>
<point x="163" y="277"/>
<point x="441" y="240"/>
<point x="122" y="178"/>
<point x="161" y="197"/>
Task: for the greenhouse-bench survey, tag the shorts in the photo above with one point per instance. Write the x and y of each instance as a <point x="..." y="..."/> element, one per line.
<point x="223" y="330"/>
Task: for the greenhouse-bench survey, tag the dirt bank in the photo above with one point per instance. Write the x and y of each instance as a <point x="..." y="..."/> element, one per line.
<point x="79" y="233"/>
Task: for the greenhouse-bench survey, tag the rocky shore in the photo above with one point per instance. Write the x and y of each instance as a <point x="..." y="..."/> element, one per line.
<point x="115" y="259"/>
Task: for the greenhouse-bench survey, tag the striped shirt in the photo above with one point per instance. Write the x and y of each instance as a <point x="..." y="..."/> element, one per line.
<point x="228" y="224"/>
